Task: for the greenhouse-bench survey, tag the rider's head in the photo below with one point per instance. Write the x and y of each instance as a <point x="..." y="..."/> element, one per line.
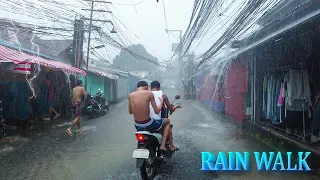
<point x="79" y="83"/>
<point x="155" y="86"/>
<point x="142" y="85"/>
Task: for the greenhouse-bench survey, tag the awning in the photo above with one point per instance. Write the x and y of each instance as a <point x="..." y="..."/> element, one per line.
<point x="23" y="67"/>
<point x="21" y="58"/>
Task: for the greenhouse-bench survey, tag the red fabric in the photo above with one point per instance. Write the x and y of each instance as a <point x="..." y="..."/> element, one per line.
<point x="23" y="67"/>
<point x="236" y="84"/>
<point x="7" y="54"/>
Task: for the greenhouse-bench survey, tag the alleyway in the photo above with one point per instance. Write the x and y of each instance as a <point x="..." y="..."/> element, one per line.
<point x="104" y="149"/>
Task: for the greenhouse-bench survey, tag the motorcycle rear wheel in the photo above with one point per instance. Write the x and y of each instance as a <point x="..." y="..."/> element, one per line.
<point x="148" y="169"/>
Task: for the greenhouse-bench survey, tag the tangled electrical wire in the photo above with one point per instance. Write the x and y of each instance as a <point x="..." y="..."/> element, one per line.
<point x="205" y="17"/>
<point x="61" y="15"/>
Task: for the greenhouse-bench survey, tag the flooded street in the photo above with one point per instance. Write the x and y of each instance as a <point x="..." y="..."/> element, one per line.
<point x="104" y="149"/>
<point x="245" y="72"/>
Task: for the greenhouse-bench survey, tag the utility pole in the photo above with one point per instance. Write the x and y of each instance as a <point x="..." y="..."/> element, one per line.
<point x="78" y="37"/>
<point x="180" y="58"/>
<point x="90" y="25"/>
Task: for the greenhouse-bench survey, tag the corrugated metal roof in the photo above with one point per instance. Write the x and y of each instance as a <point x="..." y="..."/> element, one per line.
<point x="19" y="36"/>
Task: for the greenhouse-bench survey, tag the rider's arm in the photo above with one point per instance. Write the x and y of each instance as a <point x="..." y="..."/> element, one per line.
<point x="156" y="109"/>
<point x="129" y="107"/>
<point x="168" y="104"/>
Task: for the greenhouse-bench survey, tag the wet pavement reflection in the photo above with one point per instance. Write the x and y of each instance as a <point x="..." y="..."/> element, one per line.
<point x="104" y="149"/>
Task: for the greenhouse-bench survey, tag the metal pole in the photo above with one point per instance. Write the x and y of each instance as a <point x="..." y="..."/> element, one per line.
<point x="88" y="48"/>
<point x="180" y="65"/>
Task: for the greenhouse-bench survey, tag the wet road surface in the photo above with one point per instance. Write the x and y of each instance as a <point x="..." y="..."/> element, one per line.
<point x="104" y="149"/>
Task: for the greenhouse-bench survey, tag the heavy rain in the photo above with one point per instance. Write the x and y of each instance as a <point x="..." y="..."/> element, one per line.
<point x="89" y="88"/>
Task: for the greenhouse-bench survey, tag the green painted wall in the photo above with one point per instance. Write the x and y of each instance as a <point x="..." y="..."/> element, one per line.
<point x="94" y="83"/>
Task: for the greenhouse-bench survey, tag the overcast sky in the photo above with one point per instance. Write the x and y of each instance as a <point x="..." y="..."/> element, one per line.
<point x="146" y="22"/>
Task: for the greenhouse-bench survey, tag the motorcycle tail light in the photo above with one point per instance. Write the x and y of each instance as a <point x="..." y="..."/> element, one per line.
<point x="140" y="137"/>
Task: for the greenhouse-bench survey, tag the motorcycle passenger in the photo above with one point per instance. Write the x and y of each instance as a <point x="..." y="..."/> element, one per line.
<point x="155" y="89"/>
<point x="139" y="102"/>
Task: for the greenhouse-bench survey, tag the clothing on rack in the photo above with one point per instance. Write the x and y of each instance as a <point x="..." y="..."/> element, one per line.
<point x="271" y="94"/>
<point x="281" y="96"/>
<point x="316" y="120"/>
<point x="281" y="101"/>
<point x="298" y="93"/>
<point x="265" y="97"/>
<point x="294" y="119"/>
<point x="282" y="92"/>
<point x="277" y="112"/>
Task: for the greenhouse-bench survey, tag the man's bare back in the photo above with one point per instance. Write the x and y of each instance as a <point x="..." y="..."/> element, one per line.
<point x="77" y="94"/>
<point x="139" y="103"/>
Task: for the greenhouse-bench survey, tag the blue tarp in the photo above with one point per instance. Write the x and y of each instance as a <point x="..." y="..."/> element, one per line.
<point x="42" y="106"/>
<point x="16" y="104"/>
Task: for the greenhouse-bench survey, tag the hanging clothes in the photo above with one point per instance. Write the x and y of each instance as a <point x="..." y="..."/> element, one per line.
<point x="276" y="111"/>
<point x="281" y="101"/>
<point x="281" y="96"/>
<point x="271" y="92"/>
<point x="298" y="92"/>
<point x="265" y="96"/>
<point x="269" y="97"/>
<point x="316" y="120"/>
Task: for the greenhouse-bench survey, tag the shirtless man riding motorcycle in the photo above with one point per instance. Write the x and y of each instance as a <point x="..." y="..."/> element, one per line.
<point x="139" y="102"/>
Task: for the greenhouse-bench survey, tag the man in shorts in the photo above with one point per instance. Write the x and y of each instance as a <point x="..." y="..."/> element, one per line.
<point x="155" y="89"/>
<point x="78" y="92"/>
<point x="139" y="102"/>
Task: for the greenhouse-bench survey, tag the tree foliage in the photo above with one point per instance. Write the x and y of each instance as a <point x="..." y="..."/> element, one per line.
<point x="130" y="62"/>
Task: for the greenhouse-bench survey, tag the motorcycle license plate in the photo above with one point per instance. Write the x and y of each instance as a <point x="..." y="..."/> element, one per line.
<point x="141" y="153"/>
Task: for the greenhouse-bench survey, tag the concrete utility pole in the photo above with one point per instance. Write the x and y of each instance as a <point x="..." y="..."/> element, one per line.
<point x="90" y="25"/>
<point x="78" y="37"/>
<point x="180" y="59"/>
<point x="190" y="87"/>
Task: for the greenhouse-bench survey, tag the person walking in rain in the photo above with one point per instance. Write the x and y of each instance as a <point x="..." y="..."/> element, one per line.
<point x="78" y="93"/>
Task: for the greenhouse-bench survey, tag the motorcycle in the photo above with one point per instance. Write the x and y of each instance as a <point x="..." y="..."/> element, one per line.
<point x="147" y="155"/>
<point x="92" y="107"/>
<point x="100" y="98"/>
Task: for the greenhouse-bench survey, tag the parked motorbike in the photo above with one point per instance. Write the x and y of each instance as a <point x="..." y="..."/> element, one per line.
<point x="149" y="159"/>
<point x="100" y="98"/>
<point x="92" y="107"/>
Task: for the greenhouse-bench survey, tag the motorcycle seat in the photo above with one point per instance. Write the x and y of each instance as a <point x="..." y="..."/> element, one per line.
<point x="153" y="131"/>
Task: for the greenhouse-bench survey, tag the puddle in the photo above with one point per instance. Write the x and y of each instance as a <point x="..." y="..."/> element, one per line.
<point x="89" y="128"/>
<point x="5" y="148"/>
<point x="163" y="177"/>
<point x="62" y="125"/>
<point x="133" y="175"/>
<point x="204" y="125"/>
<point x="13" y="139"/>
